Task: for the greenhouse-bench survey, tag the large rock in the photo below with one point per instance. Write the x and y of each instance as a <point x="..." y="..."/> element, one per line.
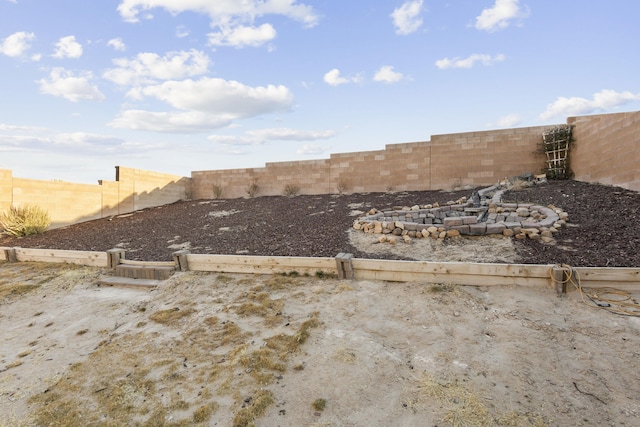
<point x="453" y="233"/>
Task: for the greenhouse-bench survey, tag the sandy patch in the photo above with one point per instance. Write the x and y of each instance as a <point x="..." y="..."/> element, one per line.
<point x="222" y="349"/>
<point x="462" y="249"/>
<point x="222" y="214"/>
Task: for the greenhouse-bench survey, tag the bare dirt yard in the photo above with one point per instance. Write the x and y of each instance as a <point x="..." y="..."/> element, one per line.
<point x="283" y="350"/>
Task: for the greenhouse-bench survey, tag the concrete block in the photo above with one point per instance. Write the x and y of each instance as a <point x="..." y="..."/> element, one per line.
<point x="495" y="228"/>
<point x="512" y="225"/>
<point x="452" y="221"/>
<point x="463" y="229"/>
<point x="468" y="220"/>
<point x="478" y="229"/>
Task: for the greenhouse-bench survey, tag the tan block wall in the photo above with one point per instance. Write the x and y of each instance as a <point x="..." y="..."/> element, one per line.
<point x="66" y="202"/>
<point x="606" y="149"/>
<point x="70" y="203"/>
<point x="445" y="162"/>
<point x="484" y="158"/>
<point x="142" y="189"/>
<point x="6" y="189"/>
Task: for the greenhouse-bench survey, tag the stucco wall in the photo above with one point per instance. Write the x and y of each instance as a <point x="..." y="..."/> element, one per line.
<point x="606" y="149"/>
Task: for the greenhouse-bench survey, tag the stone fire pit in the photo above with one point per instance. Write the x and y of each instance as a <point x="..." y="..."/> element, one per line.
<point x="484" y="214"/>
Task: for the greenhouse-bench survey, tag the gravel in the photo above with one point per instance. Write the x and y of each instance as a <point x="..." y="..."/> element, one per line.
<point x="603" y="229"/>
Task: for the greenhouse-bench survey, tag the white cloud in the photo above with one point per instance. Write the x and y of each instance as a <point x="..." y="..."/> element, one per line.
<point x="500" y="15"/>
<point x="68" y="47"/>
<point x="387" y="75"/>
<point x="117" y="44"/>
<point x="233" y="140"/>
<point x="182" y="31"/>
<point x="170" y="122"/>
<point x="13" y="128"/>
<point x="406" y="18"/>
<point x="208" y="103"/>
<point x="16" y="44"/>
<point x="508" y="121"/>
<point x="287" y="134"/>
<point x="469" y="61"/>
<point x="234" y="19"/>
<point x="150" y="67"/>
<point x="261" y="136"/>
<point x="242" y="36"/>
<point x="43" y="139"/>
<point x="313" y="150"/>
<point x="64" y="83"/>
<point x="219" y="96"/>
<point x="333" y="78"/>
<point x="602" y="101"/>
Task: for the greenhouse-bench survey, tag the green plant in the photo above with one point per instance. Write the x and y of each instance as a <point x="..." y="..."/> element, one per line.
<point x="217" y="191"/>
<point x="25" y="220"/>
<point x="291" y="190"/>
<point x="319" y="404"/>
<point x="341" y="186"/>
<point x="325" y="275"/>
<point x="556" y="143"/>
<point x="252" y="189"/>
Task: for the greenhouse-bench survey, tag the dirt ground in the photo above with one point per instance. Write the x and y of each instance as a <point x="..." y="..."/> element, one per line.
<point x="240" y="350"/>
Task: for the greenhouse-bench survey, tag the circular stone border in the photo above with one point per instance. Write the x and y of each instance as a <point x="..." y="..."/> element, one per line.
<point x="484" y="214"/>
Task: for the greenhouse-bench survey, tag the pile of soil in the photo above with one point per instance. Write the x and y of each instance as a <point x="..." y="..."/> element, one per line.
<point x="603" y="227"/>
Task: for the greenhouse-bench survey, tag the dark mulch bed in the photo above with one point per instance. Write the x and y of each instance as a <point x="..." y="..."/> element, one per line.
<point x="604" y="226"/>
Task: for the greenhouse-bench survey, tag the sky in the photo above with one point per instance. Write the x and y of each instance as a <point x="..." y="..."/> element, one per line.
<point x="177" y="86"/>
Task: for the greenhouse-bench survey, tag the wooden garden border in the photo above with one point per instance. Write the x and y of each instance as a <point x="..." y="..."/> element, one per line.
<point x="456" y="273"/>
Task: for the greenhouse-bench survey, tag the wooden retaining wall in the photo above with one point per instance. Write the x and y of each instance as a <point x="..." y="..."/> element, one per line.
<point x="455" y="273"/>
<point x="88" y="258"/>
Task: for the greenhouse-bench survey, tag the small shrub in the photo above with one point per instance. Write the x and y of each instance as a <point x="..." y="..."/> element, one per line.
<point x="341" y="187"/>
<point x="253" y="188"/>
<point x="319" y="404"/>
<point x="291" y="190"/>
<point x="217" y="191"/>
<point x="25" y="220"/>
<point x="325" y="275"/>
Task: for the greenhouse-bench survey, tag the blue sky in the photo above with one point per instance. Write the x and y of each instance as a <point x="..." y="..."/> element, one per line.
<point x="183" y="85"/>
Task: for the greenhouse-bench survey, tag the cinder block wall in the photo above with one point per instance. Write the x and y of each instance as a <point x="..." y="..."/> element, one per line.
<point x="445" y="162"/>
<point x="66" y="202"/>
<point x="479" y="158"/>
<point x="606" y="149"/>
<point x="70" y="203"/>
<point x="6" y="189"/>
<point x="142" y="189"/>
<point x="397" y="167"/>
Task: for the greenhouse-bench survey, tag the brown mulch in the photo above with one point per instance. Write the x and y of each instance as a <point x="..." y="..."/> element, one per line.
<point x="604" y="228"/>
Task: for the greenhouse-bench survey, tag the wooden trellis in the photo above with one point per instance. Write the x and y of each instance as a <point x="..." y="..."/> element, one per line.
<point x="556" y="146"/>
